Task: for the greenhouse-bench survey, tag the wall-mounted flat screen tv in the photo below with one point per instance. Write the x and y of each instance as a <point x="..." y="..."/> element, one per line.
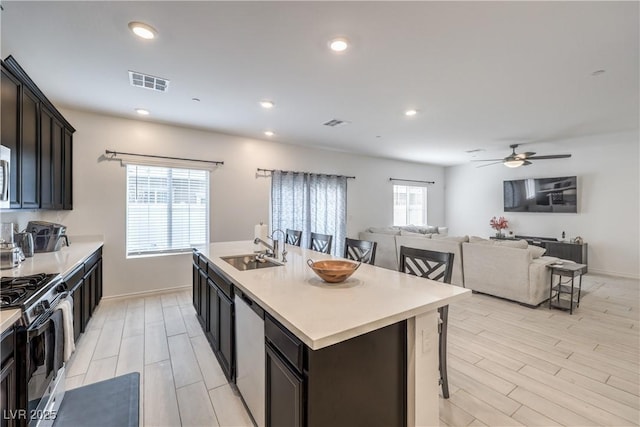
<point x="541" y="195"/>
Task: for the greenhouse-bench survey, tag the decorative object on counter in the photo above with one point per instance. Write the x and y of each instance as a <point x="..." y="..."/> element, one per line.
<point x="333" y="270"/>
<point x="24" y="241"/>
<point x="577" y="240"/>
<point x="10" y="255"/>
<point x="499" y="224"/>
<point x="48" y="236"/>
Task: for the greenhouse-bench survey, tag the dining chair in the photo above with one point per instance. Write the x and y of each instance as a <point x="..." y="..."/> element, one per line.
<point x="360" y="250"/>
<point x="294" y="237"/>
<point x="435" y="266"/>
<point x="321" y="242"/>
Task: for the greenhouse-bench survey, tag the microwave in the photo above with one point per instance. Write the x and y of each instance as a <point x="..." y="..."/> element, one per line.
<point x="5" y="174"/>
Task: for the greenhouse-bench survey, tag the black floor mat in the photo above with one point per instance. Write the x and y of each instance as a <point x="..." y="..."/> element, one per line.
<point x="111" y="403"/>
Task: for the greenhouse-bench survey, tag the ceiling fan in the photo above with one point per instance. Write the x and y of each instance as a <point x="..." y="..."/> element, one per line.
<point x="515" y="160"/>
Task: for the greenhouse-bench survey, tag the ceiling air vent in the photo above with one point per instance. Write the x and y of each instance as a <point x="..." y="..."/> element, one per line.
<point x="336" y="122"/>
<point x="148" y="82"/>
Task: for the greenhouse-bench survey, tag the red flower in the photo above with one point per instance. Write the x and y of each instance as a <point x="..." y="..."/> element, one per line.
<point x="499" y="223"/>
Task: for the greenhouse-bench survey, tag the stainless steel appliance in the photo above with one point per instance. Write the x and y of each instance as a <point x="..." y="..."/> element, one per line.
<point x="250" y="355"/>
<point x="25" y="242"/>
<point x="10" y="255"/>
<point x="47" y="236"/>
<point x="39" y="345"/>
<point x="5" y="175"/>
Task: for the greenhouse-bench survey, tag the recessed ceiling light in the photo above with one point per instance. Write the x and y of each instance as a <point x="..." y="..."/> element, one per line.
<point x="195" y="99"/>
<point x="339" y="44"/>
<point x="598" y="73"/>
<point x="143" y="30"/>
<point x="269" y="132"/>
<point x="267" y="104"/>
<point x="410" y="113"/>
<point x="142" y="111"/>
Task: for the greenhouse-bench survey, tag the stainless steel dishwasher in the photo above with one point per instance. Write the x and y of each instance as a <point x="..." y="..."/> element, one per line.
<point x="250" y="355"/>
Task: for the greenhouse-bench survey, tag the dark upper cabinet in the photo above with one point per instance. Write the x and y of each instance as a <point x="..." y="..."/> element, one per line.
<point x="67" y="173"/>
<point x="30" y="150"/>
<point x="10" y="130"/>
<point x="40" y="140"/>
<point x="46" y="170"/>
<point x="57" y="158"/>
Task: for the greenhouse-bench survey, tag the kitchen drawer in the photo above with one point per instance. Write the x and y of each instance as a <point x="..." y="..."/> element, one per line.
<point x="202" y="262"/>
<point x="74" y="278"/>
<point x="225" y="286"/>
<point x="91" y="261"/>
<point x="283" y="340"/>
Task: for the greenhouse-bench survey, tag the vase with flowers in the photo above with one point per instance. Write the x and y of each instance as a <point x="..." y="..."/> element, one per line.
<point x="499" y="224"/>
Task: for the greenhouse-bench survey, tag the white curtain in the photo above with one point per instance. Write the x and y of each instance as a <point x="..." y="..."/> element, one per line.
<point x="310" y="203"/>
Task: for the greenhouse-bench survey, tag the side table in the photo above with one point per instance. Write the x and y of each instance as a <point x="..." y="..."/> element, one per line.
<point x="570" y="270"/>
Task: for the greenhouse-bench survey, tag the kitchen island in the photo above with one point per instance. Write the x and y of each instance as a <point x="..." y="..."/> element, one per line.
<point x="376" y="316"/>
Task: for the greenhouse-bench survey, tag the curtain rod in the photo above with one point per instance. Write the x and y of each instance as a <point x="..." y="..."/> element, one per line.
<point x="411" y="180"/>
<point x="311" y="173"/>
<point x="115" y="153"/>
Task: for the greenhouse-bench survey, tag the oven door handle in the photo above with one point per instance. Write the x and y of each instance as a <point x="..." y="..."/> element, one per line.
<point x="32" y="333"/>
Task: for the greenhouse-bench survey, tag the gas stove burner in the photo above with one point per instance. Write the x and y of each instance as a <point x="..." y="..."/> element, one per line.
<point x="29" y="282"/>
<point x="10" y="297"/>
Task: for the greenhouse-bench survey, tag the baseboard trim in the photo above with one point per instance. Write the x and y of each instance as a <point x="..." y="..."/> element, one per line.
<point x="147" y="293"/>
<point x="612" y="273"/>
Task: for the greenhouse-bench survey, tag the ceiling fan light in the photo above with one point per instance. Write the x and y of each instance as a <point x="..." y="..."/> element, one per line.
<point x="514" y="163"/>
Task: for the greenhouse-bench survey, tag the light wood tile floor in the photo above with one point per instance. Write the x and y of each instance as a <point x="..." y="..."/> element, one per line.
<point x="508" y="364"/>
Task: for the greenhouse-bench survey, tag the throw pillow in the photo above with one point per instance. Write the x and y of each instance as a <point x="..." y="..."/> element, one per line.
<point x="384" y="230"/>
<point x="476" y="239"/>
<point x="516" y="244"/>
<point x="536" y="251"/>
<point x="404" y="232"/>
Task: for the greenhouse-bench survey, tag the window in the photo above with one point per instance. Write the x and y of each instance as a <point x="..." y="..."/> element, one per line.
<point x="310" y="203"/>
<point x="409" y="205"/>
<point x="167" y="209"/>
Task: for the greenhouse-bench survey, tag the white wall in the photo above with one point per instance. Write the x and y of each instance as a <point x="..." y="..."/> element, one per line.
<point x="608" y="197"/>
<point x="239" y="199"/>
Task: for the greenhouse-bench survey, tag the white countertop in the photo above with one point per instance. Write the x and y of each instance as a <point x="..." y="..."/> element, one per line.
<point x="322" y="314"/>
<point x="8" y="318"/>
<point x="63" y="261"/>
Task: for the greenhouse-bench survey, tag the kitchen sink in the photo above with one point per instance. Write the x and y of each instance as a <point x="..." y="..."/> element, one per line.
<point x="250" y="262"/>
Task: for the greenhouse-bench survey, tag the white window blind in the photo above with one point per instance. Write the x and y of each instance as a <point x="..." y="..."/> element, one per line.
<point x="167" y="209"/>
<point x="409" y="205"/>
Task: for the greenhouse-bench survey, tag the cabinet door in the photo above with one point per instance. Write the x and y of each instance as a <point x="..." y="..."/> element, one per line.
<point x="225" y="338"/>
<point x="67" y="172"/>
<point x="77" y="312"/>
<point x="201" y="308"/>
<point x="56" y="164"/>
<point x="98" y="285"/>
<point x="195" y="281"/>
<point x="213" y="328"/>
<point x="46" y="170"/>
<point x="9" y="131"/>
<point x="8" y="393"/>
<point x="284" y="392"/>
<point x="30" y="167"/>
<point x="87" y="297"/>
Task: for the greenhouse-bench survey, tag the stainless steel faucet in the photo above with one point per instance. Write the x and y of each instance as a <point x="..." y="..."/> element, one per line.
<point x="284" y="244"/>
<point x="272" y="250"/>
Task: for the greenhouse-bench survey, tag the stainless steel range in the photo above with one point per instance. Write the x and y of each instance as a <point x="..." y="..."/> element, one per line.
<point x="40" y="341"/>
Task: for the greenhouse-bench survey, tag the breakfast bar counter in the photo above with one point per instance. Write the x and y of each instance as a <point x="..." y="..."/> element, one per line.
<point x="321" y="314"/>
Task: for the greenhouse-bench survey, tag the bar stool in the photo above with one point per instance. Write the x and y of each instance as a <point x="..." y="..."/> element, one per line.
<point x="435" y="266"/>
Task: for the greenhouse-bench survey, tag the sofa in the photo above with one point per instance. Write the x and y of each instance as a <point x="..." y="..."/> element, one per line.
<point x="508" y="269"/>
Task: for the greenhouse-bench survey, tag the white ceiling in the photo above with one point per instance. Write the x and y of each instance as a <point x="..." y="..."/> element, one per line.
<point x="481" y="74"/>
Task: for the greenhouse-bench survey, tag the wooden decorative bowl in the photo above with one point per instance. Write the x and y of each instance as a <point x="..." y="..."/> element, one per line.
<point x="333" y="270"/>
